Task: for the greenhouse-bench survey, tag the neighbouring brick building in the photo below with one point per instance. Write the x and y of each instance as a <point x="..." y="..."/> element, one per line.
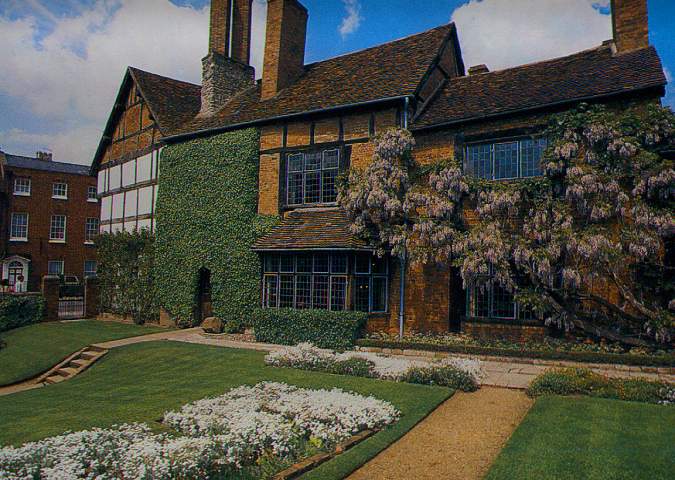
<point x="49" y="215"/>
<point x="318" y="120"/>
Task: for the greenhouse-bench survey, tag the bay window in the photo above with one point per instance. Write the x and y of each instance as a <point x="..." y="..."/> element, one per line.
<point x="328" y="281"/>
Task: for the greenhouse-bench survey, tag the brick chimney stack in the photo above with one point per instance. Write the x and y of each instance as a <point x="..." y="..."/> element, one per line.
<point x="284" y="45"/>
<point x="44" y="156"/>
<point x="226" y="70"/>
<point x="630" y="24"/>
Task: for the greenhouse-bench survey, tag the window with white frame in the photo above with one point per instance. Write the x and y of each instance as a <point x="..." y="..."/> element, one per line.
<point x="323" y="281"/>
<point x="60" y="190"/>
<point x="519" y="158"/>
<point x="19" y="227"/>
<point x="311" y="177"/>
<point x="55" y="267"/>
<point x="90" y="229"/>
<point x="57" y="228"/>
<point x="92" y="194"/>
<point x="22" y="187"/>
<point x="90" y="268"/>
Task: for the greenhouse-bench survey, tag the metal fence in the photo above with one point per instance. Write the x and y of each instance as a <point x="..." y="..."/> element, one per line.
<point x="71" y="308"/>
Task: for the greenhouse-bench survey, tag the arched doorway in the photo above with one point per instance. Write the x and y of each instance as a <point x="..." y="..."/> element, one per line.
<point x="15" y="273"/>
<point x="204" y="306"/>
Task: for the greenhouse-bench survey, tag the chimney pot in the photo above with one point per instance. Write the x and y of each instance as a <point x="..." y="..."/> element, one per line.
<point x="44" y="156"/>
<point x="630" y="24"/>
<point x="284" y="45"/>
<point x="477" y="69"/>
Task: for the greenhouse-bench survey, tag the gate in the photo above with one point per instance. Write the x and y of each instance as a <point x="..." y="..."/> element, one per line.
<point x="71" y="308"/>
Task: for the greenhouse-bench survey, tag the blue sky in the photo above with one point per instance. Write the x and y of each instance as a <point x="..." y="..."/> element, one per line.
<point x="64" y="59"/>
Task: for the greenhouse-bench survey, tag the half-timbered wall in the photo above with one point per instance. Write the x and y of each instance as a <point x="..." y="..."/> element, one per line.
<point x="127" y="177"/>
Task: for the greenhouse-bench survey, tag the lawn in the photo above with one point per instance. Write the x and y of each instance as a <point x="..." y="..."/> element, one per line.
<point x="591" y="439"/>
<point x="33" y="349"/>
<point x="138" y="383"/>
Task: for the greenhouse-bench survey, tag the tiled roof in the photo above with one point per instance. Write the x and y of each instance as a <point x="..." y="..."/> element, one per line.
<point x="171" y="102"/>
<point x="393" y="69"/>
<point x="31" y="163"/>
<point x="312" y="229"/>
<point x="584" y="75"/>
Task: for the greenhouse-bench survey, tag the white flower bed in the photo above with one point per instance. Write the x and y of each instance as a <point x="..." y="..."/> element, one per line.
<point x="222" y="434"/>
<point x="306" y="355"/>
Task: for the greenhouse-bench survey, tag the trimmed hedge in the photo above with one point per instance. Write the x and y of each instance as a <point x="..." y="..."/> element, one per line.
<point x="207" y="219"/>
<point x="19" y="310"/>
<point x="588" y="357"/>
<point x="323" y="328"/>
<point x="582" y="381"/>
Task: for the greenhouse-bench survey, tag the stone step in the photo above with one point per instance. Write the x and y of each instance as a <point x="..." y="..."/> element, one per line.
<point x="54" y="379"/>
<point x="67" y="371"/>
<point x="87" y="356"/>
<point x="78" y="363"/>
<point x="94" y="348"/>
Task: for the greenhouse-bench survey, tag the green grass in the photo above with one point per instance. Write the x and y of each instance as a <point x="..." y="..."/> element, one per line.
<point x="138" y="383"/>
<point x="34" y="349"/>
<point x="591" y="439"/>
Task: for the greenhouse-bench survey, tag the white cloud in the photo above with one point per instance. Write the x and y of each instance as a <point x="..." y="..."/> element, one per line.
<point x="352" y="21"/>
<point x="503" y="34"/>
<point x="72" y="76"/>
<point x="669" y="76"/>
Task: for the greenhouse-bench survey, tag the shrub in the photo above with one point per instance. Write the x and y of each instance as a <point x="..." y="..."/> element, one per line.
<point x="323" y="328"/>
<point x="582" y="381"/>
<point x="458" y="373"/>
<point x="441" y="375"/>
<point x="126" y="274"/>
<point x="357" y="367"/>
<point x="234" y="326"/>
<point x="18" y="311"/>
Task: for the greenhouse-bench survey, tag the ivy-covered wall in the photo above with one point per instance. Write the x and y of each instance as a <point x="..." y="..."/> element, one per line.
<point x="206" y="218"/>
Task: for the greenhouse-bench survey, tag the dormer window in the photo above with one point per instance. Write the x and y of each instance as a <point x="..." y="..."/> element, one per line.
<point x="503" y="160"/>
<point x="311" y="177"/>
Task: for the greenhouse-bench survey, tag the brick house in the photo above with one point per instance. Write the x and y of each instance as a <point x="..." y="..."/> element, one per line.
<point x="49" y="214"/>
<point x="318" y="120"/>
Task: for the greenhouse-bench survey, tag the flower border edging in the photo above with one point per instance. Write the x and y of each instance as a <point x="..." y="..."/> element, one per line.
<point x="647" y="364"/>
<point x="314" y="461"/>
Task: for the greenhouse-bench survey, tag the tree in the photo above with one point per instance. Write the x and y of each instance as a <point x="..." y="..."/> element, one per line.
<point x="586" y="245"/>
<point x="378" y="200"/>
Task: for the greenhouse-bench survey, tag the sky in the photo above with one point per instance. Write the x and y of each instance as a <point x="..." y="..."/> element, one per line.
<point x="62" y="61"/>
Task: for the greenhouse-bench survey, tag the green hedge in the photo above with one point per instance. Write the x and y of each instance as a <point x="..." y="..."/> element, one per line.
<point x="19" y="310"/>
<point x="126" y="274"/>
<point x="588" y="357"/>
<point x="207" y="218"/>
<point x="325" y="329"/>
<point x="582" y="381"/>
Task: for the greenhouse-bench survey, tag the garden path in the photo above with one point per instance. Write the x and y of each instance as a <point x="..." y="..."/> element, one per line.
<point x="458" y="440"/>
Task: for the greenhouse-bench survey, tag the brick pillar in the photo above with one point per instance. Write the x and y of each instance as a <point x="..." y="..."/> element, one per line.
<point x="50" y="292"/>
<point x="92" y="297"/>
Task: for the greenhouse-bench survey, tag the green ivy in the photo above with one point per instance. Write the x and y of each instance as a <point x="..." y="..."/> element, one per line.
<point x="126" y="274"/>
<point x="323" y="328"/>
<point x="20" y="310"/>
<point x="207" y="218"/>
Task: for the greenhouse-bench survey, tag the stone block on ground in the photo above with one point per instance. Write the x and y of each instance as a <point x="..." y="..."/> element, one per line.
<point x="213" y="325"/>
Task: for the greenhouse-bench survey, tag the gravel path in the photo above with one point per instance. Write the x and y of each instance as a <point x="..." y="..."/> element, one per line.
<point x="459" y="440"/>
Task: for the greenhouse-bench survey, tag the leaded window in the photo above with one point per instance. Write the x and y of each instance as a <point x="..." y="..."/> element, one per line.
<point x="328" y="281"/>
<point x="490" y="300"/>
<point x="505" y="160"/>
<point x="311" y="177"/>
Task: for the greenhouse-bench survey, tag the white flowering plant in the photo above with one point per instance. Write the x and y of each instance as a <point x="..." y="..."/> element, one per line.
<point x="460" y="373"/>
<point x="250" y="430"/>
